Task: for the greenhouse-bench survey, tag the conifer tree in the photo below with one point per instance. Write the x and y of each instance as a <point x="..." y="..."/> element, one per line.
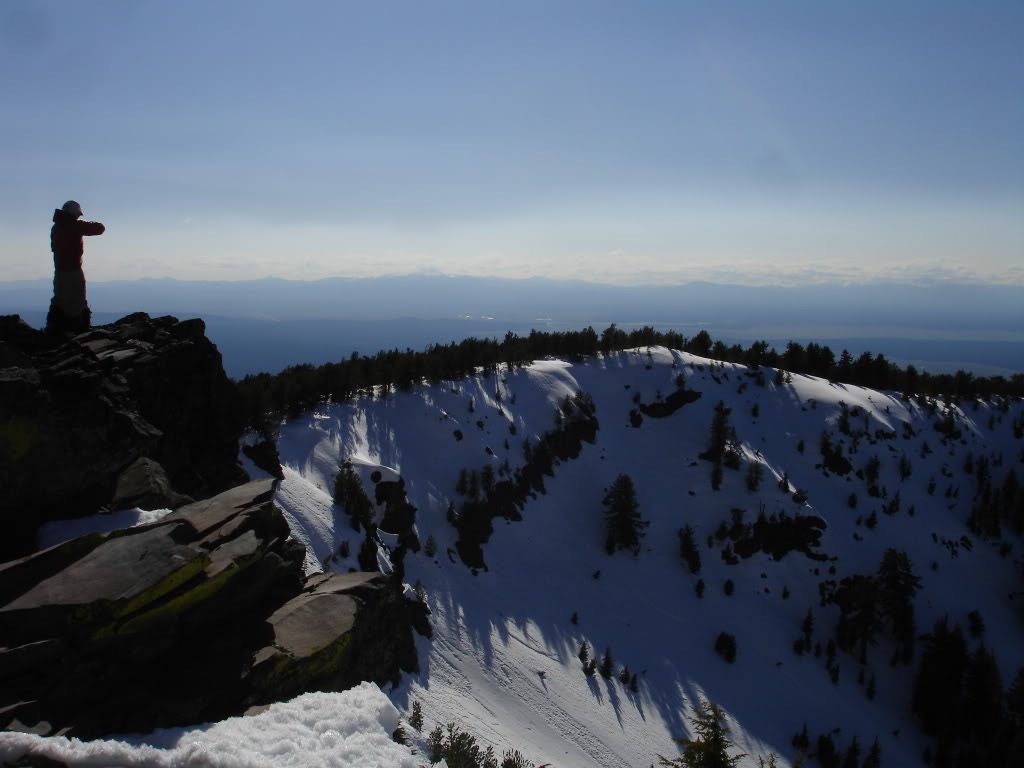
<point x="367" y="556"/>
<point x="349" y="494"/>
<point x="710" y="749"/>
<point x="722" y="436"/>
<point x="899" y="585"/>
<point x="514" y="759"/>
<point x="755" y="473"/>
<point x="982" y="697"/>
<point x="1015" y="696"/>
<point x="725" y="646"/>
<point x="607" y="664"/>
<point x="826" y="752"/>
<point x="845" y="366"/>
<point x="487" y="480"/>
<point x="874" y="757"/>
<point x="716" y="476"/>
<point x="935" y="696"/>
<point x="458" y="748"/>
<point x="688" y="549"/>
<point x="416" y="717"/>
<point x="807" y="627"/>
<point x="584" y="653"/>
<point x="622" y="516"/>
<point x="852" y="757"/>
<point x="802" y="740"/>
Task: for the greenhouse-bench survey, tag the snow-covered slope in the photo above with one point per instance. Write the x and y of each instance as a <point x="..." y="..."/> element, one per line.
<point x="503" y="662"/>
<point x="314" y="730"/>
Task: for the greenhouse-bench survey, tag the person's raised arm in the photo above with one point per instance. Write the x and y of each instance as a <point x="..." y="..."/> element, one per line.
<point x="90" y="228"/>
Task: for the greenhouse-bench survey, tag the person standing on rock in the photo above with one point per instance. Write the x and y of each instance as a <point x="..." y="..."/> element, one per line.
<point x="69" y="309"/>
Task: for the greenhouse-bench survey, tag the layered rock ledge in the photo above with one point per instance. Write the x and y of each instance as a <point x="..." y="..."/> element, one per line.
<point x="202" y="615"/>
<point x="194" y="618"/>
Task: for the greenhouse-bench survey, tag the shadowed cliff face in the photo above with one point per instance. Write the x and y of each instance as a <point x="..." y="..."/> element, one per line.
<point x="209" y="604"/>
<point x="76" y="412"/>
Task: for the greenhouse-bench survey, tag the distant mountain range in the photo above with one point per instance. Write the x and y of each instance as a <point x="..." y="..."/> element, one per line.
<point x="265" y="325"/>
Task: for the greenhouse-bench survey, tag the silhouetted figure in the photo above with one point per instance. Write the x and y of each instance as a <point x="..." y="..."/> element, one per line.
<point x="69" y="309"/>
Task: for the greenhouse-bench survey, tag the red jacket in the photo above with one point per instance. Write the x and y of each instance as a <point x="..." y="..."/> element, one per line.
<point x="66" y="239"/>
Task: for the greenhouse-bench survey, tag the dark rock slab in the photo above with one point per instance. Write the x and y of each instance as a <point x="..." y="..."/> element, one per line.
<point x="313" y="620"/>
<point x="265" y="456"/>
<point x="209" y="515"/>
<point x="144" y="484"/>
<point x="342" y="629"/>
<point x="206" y="606"/>
<point x="18" y="576"/>
<point x="121" y="568"/>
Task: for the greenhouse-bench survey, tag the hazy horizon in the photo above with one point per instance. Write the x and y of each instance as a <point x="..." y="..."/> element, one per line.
<point x="649" y="142"/>
<point x="950" y="309"/>
<point x="266" y="325"/>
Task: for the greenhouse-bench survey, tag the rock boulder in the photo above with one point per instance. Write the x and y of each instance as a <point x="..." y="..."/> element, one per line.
<point x="76" y="412"/>
<point x="195" y="617"/>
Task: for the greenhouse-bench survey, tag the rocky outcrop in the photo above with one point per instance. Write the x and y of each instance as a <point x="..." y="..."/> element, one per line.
<point x="265" y="456"/>
<point x="342" y="629"/>
<point x="76" y="412"/>
<point x="176" y="376"/>
<point x="190" y="619"/>
<point x="144" y="484"/>
<point x="196" y="617"/>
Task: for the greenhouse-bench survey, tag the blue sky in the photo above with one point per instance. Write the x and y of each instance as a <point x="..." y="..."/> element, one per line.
<point x="611" y="141"/>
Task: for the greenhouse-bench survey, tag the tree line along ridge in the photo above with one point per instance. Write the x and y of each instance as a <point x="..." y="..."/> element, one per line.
<point x="298" y="388"/>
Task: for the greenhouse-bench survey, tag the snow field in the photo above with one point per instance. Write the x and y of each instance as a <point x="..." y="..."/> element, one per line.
<point x="498" y="630"/>
<point x="314" y="730"/>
